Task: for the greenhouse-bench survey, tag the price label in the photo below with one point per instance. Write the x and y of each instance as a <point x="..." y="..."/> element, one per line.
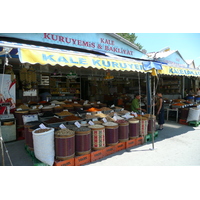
<point x="104" y="120"/>
<point x="112" y="111"/>
<point x="65" y="110"/>
<point x="19" y="109"/>
<point x="70" y="100"/>
<point x="112" y="106"/>
<point x="56" y="116"/>
<point x="115" y="114"/>
<point x="53" y="104"/>
<point x="122" y="109"/>
<point x="75" y="102"/>
<point x="77" y="124"/>
<point x="88" y="114"/>
<point x="62" y="126"/>
<point x="98" y="102"/>
<point x="42" y="126"/>
<point x="91" y="123"/>
<point x="95" y="119"/>
<point x="115" y="118"/>
<point x="34" y="107"/>
<point x="41" y="106"/>
<point x="99" y="112"/>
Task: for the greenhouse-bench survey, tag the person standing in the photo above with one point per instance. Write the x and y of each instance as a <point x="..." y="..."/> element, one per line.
<point x="160" y="111"/>
<point x="135" y="105"/>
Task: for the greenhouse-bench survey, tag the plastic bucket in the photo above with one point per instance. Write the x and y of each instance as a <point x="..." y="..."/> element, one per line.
<point x="98" y="137"/>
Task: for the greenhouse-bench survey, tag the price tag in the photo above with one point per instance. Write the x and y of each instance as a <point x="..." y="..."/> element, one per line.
<point x="142" y="113"/>
<point x="115" y="118"/>
<point x="112" y="111"/>
<point x="19" y="109"/>
<point x="53" y="104"/>
<point x="56" y="116"/>
<point x="34" y="107"/>
<point x="104" y="120"/>
<point x="98" y="102"/>
<point x="65" y="110"/>
<point x="42" y="126"/>
<point x="77" y="124"/>
<point x="112" y="106"/>
<point x="115" y="114"/>
<point x="122" y="109"/>
<point x="62" y="126"/>
<point x="95" y="119"/>
<point x="90" y="123"/>
<point x="70" y="100"/>
<point x="41" y="106"/>
<point x="99" y="112"/>
<point x="75" y="102"/>
<point x="88" y="114"/>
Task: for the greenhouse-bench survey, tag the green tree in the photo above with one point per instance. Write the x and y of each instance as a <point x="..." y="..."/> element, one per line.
<point x="132" y="38"/>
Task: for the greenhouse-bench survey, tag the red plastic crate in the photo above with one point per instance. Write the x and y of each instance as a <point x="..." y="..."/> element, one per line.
<point x="183" y="121"/>
<point x="109" y="150"/>
<point x="82" y="160"/>
<point x="131" y="143"/>
<point x="69" y="162"/>
<point x="120" y="146"/>
<point x="139" y="140"/>
<point x="96" y="155"/>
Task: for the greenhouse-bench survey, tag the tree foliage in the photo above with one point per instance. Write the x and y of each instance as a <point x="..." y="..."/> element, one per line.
<point x="131" y="37"/>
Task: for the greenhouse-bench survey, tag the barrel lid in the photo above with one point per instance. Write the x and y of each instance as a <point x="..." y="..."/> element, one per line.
<point x="110" y="124"/>
<point x="141" y="118"/>
<point x="96" y="126"/>
<point x="134" y="121"/>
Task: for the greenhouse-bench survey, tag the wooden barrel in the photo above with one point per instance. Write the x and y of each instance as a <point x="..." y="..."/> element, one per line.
<point x="134" y="128"/>
<point x="111" y="132"/>
<point x="98" y="137"/>
<point x="82" y="142"/>
<point x="143" y="121"/>
<point x="19" y="119"/>
<point x="28" y="128"/>
<point x="123" y="131"/>
<point x="64" y="144"/>
<point x="151" y="128"/>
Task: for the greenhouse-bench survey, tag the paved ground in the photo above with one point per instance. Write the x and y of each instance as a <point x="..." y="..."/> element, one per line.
<point x="176" y="145"/>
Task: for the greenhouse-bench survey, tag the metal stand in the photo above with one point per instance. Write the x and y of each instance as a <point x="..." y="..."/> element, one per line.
<point x="2" y="150"/>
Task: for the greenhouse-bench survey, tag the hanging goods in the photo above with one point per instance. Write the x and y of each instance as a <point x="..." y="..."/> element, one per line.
<point x="134" y="128"/>
<point x="64" y="144"/>
<point x="111" y="131"/>
<point x="82" y="141"/>
<point x="123" y="131"/>
<point x="43" y="143"/>
<point x="98" y="137"/>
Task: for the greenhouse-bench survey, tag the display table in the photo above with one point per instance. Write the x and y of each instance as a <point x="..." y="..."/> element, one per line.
<point x="175" y="110"/>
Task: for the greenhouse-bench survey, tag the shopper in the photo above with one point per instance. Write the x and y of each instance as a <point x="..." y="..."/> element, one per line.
<point x="135" y="105"/>
<point x="160" y="110"/>
<point x="198" y="91"/>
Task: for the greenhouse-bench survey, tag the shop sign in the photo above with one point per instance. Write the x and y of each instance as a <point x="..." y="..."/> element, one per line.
<point x="42" y="57"/>
<point x="174" y="60"/>
<point x="92" y="41"/>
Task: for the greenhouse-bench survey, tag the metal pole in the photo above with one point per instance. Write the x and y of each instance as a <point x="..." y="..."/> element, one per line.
<point x="2" y="150"/>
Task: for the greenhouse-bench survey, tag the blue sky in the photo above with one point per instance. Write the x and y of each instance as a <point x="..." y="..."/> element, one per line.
<point x="188" y="44"/>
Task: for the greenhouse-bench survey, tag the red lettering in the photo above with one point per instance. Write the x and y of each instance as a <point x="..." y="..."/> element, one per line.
<point x="61" y="39"/>
<point x="102" y="40"/>
<point x="52" y="36"/>
<point x="79" y="42"/>
<point x="93" y="45"/>
<point x="68" y="40"/>
<point x="46" y="35"/>
<point x="74" y="41"/>
<point x="85" y="43"/>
